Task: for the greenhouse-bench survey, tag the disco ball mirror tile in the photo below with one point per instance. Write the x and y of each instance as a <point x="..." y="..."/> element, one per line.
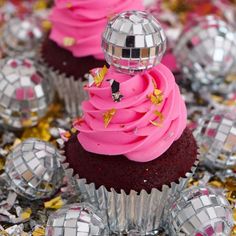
<point x="200" y="212"/>
<point x="206" y="50"/>
<point x="33" y="169"/>
<point x="80" y="219"/>
<point x="25" y="92"/>
<point x="133" y="41"/>
<point x="216" y="137"/>
<point x="20" y="37"/>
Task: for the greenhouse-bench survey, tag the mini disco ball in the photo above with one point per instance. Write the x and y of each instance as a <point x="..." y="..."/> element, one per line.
<point x="200" y="212"/>
<point x="21" y="37"/>
<point x="216" y="137"/>
<point x="133" y="41"/>
<point x="206" y="51"/>
<point x="25" y="92"/>
<point x="33" y="169"/>
<point x="79" y="219"/>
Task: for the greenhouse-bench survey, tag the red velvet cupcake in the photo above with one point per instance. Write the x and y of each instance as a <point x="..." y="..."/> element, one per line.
<point x="73" y="47"/>
<point x="132" y="150"/>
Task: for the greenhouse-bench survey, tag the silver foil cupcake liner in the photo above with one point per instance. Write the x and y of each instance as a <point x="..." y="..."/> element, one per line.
<point x="69" y="89"/>
<point x="134" y="213"/>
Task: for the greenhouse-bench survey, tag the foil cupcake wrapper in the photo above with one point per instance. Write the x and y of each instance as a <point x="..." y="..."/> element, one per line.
<point x="70" y="90"/>
<point x="134" y="213"/>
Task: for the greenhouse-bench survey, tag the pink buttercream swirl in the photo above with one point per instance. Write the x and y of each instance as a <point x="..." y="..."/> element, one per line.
<point x="131" y="131"/>
<point x="85" y="21"/>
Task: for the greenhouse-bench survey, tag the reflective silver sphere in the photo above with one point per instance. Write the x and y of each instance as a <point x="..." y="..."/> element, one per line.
<point x="206" y="51"/>
<point x="25" y="92"/>
<point x="200" y="212"/>
<point x="79" y="219"/>
<point x="133" y="41"/>
<point x="21" y="37"/>
<point x="216" y="137"/>
<point x="33" y="169"/>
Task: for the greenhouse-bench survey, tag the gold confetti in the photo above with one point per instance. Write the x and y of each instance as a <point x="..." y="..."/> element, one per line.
<point x="231" y="196"/>
<point x="108" y="115"/>
<point x="2" y="164"/>
<point x="25" y="215"/>
<point x="46" y="24"/>
<point x="39" y="231"/>
<point x="157" y="97"/>
<point x="69" y="41"/>
<point x="99" y="77"/>
<point x="193" y="182"/>
<point x="230" y="183"/>
<point x="40" y="5"/>
<point x="233" y="232"/>
<point x="55" y="203"/>
<point x="160" y="117"/>
<point x="3" y="233"/>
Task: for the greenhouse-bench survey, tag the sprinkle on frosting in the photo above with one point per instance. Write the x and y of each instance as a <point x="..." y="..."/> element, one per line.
<point x="157" y="97"/>
<point x="69" y="41"/>
<point x="115" y="89"/>
<point x="99" y="76"/>
<point x="107" y="116"/>
<point x="160" y="117"/>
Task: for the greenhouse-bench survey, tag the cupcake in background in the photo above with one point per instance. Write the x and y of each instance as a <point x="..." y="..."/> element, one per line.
<point x="73" y="46"/>
<point x="132" y="151"/>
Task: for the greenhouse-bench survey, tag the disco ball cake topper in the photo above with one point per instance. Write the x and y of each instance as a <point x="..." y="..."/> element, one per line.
<point x="25" y="92"/>
<point x="206" y="51"/>
<point x="21" y="37"/>
<point x="133" y="41"/>
<point x="33" y="169"/>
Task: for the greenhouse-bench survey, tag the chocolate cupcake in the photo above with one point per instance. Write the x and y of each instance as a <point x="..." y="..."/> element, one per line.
<point x="132" y="150"/>
<point x="73" y="46"/>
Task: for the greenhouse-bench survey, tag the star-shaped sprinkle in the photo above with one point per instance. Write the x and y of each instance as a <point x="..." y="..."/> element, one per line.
<point x="108" y="115"/>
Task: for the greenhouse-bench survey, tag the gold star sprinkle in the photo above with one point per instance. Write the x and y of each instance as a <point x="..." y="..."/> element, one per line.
<point x="107" y="116"/>
<point x="69" y="41"/>
<point x="157" y="97"/>
<point x="160" y="117"/>
<point x="99" y="77"/>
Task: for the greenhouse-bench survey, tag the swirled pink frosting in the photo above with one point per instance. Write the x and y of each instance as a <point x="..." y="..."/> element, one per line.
<point x="130" y="131"/>
<point x="85" y="21"/>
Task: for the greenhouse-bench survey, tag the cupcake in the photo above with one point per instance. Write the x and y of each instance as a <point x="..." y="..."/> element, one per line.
<point x="73" y="46"/>
<point x="132" y="150"/>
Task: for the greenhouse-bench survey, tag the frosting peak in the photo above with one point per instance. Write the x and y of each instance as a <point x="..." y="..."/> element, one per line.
<point x="142" y="125"/>
<point x="78" y="24"/>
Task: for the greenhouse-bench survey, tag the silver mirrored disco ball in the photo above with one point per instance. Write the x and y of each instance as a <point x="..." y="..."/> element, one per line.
<point x="216" y="137"/>
<point x="33" y="169"/>
<point x="200" y="212"/>
<point x="206" y="51"/>
<point x="133" y="41"/>
<point x="79" y="219"/>
<point x="20" y="37"/>
<point x="25" y="92"/>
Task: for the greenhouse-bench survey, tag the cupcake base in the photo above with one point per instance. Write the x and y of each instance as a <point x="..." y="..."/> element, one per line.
<point x="120" y="173"/>
<point x="132" y="196"/>
<point x="68" y="74"/>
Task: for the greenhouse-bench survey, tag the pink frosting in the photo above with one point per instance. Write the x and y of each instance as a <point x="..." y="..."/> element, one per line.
<point x="130" y="131"/>
<point x="85" y="21"/>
